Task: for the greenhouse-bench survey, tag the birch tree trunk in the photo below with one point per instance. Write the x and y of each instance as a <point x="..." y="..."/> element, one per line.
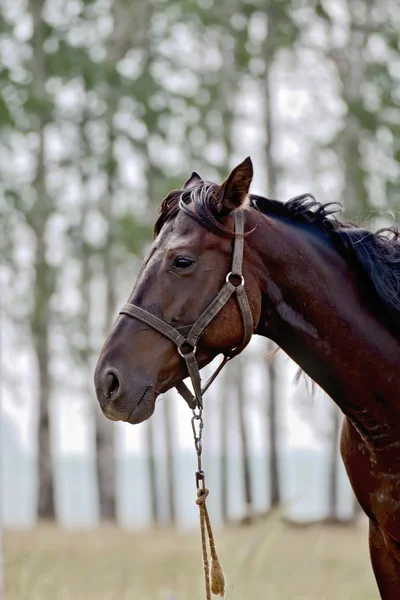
<point x="105" y="443"/>
<point x="38" y="219"/>
<point x="224" y="425"/>
<point x="273" y="455"/>
<point x="244" y="442"/>
<point x="333" y="492"/>
<point x="351" y="66"/>
<point x="271" y="177"/>
<point x="121" y="40"/>
<point x="169" y="437"/>
<point x="152" y="471"/>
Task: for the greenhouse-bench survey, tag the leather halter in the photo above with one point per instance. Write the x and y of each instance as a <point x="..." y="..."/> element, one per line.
<point x="187" y="346"/>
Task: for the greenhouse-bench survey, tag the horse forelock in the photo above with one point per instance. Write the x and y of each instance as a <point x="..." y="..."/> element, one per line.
<point x="199" y="203"/>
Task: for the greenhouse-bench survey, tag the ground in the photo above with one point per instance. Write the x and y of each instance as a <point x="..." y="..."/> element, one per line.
<point x="267" y="561"/>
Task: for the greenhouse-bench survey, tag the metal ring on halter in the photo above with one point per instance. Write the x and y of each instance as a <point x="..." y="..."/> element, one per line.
<point x="232" y="274"/>
<point x="184" y="354"/>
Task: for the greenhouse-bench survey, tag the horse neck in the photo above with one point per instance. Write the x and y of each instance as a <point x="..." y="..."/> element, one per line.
<point x="319" y="312"/>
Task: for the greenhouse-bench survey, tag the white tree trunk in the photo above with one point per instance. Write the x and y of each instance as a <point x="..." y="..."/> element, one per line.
<point x="44" y="284"/>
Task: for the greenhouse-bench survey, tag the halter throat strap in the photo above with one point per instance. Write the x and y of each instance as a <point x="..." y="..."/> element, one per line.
<point x="187" y="346"/>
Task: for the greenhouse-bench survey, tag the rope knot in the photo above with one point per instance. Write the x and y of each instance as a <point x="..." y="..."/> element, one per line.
<point x="202" y="496"/>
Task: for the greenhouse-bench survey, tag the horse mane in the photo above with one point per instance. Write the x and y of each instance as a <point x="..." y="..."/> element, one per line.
<point x="376" y="255"/>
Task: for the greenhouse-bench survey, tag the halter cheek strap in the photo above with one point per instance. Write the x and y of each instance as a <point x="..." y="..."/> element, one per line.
<point x="187" y="346"/>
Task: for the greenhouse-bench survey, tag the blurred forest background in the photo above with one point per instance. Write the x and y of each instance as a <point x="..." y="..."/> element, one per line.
<point x="107" y="105"/>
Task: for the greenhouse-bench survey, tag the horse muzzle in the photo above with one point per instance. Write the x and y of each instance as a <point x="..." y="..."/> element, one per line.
<point x="120" y="400"/>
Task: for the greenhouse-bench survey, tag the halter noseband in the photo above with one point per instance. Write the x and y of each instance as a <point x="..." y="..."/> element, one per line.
<point x="187" y="345"/>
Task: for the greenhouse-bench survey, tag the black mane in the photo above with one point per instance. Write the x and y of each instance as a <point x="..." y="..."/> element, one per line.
<point x="377" y="255"/>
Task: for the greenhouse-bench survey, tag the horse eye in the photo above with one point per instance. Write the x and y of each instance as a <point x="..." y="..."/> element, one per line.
<point x="183" y="263"/>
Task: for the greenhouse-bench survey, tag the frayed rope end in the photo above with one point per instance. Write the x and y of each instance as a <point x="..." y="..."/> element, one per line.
<point x="217" y="579"/>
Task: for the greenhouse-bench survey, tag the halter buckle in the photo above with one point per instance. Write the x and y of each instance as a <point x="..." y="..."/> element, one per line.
<point x="185" y="354"/>
<point x="232" y="274"/>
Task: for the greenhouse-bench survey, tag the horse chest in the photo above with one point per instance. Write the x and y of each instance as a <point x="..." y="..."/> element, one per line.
<point x="378" y="493"/>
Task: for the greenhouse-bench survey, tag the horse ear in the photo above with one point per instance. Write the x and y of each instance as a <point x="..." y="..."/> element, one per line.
<point x="234" y="191"/>
<point x="193" y="180"/>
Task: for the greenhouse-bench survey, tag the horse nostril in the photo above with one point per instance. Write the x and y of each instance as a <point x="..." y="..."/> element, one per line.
<point x="112" y="385"/>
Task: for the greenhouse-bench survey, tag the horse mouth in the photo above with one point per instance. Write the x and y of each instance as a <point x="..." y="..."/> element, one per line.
<point x="144" y="408"/>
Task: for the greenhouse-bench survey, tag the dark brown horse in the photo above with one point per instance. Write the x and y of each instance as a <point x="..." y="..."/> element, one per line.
<point x="325" y="292"/>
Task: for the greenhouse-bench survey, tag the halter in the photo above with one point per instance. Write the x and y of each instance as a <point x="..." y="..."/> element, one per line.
<point x="187" y="346"/>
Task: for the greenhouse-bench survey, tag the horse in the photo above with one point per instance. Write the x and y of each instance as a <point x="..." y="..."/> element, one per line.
<point x="325" y="291"/>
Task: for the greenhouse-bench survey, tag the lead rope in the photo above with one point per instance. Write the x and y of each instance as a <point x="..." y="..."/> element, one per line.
<point x="217" y="583"/>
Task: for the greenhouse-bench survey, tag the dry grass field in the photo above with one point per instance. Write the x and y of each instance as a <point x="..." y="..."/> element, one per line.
<point x="268" y="561"/>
